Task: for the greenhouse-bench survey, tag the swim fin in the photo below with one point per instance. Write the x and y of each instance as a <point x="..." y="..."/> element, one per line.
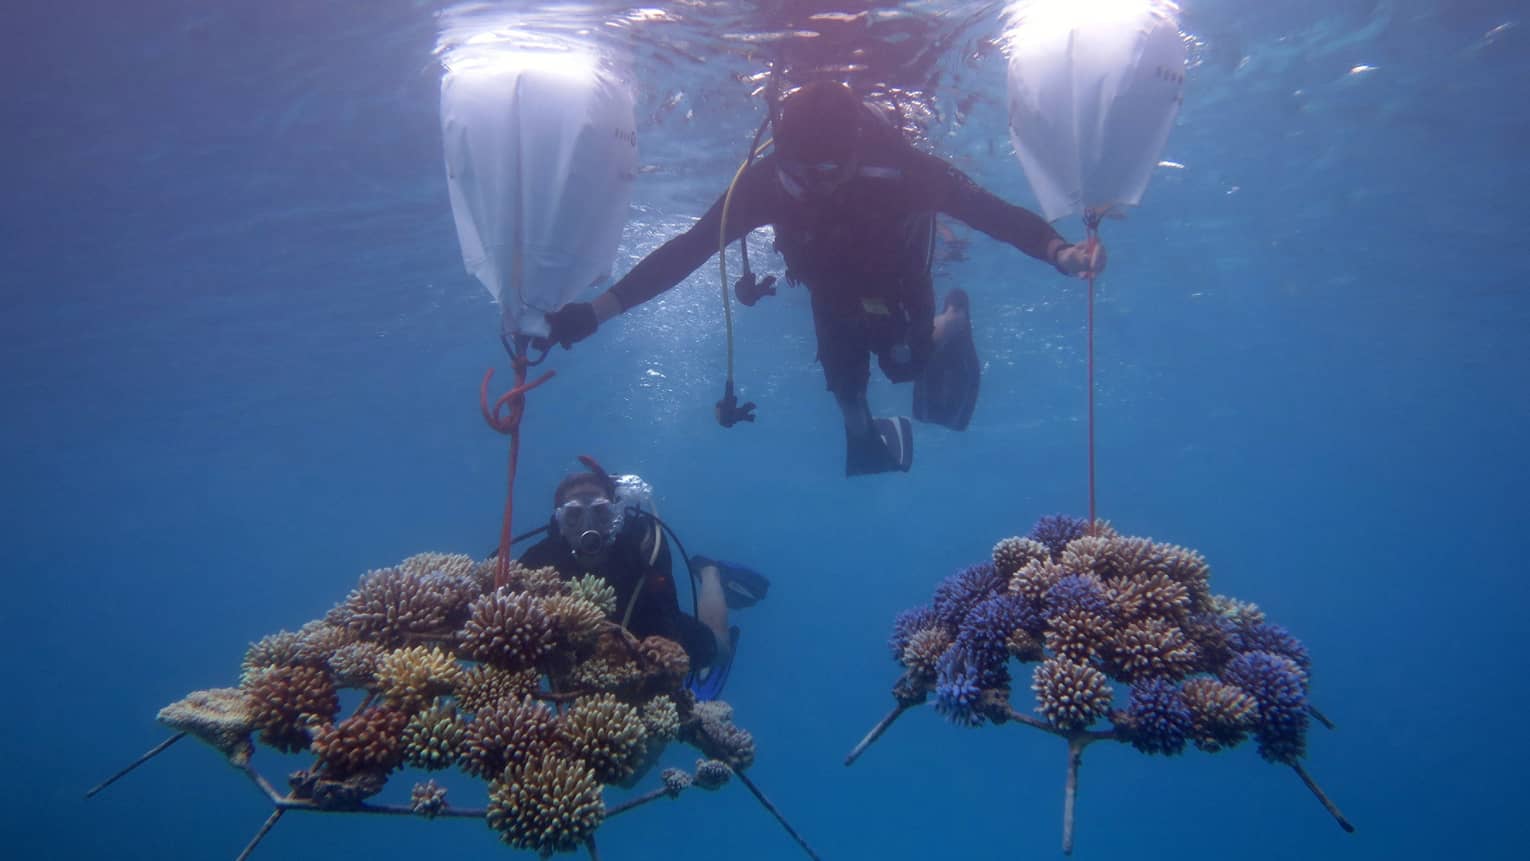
<point x="888" y="446"/>
<point x="946" y="392"/>
<point x="742" y="586"/>
<point x="708" y="683"/>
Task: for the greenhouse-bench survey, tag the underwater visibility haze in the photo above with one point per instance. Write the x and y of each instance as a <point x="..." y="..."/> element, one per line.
<point x="241" y="359"/>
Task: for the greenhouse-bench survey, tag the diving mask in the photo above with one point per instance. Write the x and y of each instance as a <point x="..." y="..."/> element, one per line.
<point x="803" y="179"/>
<point x="590" y="524"/>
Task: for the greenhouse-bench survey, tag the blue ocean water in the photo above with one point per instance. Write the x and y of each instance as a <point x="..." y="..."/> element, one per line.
<point x="240" y="359"/>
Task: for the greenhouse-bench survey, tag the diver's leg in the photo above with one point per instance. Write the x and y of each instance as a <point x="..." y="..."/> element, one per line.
<point x="946" y="391"/>
<point x="872" y="444"/>
<point x="844" y="353"/>
<point x="908" y="338"/>
<point x="857" y="414"/>
<point x="712" y="609"/>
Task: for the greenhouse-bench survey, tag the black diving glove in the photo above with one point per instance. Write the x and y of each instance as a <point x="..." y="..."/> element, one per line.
<point x="570" y="324"/>
<point x="728" y="410"/>
<point x="750" y="290"/>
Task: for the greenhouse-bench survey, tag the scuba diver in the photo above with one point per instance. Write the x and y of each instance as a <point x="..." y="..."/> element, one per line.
<point x="853" y="205"/>
<point x="594" y="530"/>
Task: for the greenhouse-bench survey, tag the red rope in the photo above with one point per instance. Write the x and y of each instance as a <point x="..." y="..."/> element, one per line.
<point x="1091" y="220"/>
<point x="505" y="417"/>
<point x="1091" y="402"/>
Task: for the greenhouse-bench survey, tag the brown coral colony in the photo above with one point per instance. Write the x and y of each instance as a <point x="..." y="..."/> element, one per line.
<point x="454" y="673"/>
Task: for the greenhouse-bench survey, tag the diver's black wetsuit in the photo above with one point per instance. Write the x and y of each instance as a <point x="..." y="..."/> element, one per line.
<point x="864" y="252"/>
<point x="626" y="567"/>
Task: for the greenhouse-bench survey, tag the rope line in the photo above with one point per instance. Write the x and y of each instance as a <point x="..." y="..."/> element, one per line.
<point x="1092" y="223"/>
<point x="505" y="417"/>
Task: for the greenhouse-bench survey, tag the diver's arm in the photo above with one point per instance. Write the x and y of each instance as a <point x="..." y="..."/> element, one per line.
<point x="954" y="193"/>
<point x="676" y="259"/>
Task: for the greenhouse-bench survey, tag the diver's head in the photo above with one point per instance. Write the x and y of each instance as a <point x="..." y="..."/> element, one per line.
<point x="815" y="139"/>
<point x="586" y="512"/>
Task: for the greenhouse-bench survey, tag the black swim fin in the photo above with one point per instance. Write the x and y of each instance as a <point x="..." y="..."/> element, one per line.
<point x="887" y="447"/>
<point x="946" y="392"/>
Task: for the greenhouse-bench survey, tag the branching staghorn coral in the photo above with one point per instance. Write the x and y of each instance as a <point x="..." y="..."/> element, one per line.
<point x="281" y="649"/>
<point x="551" y="803"/>
<point x="596" y="591"/>
<point x="664" y="658"/>
<point x="1220" y="714"/>
<point x="395" y="607"/>
<point x="574" y="618"/>
<point x="456" y="566"/>
<point x="606" y="733"/>
<point x="1069" y="694"/>
<point x="540" y="582"/>
<point x="288" y="703"/>
<point x="601" y="674"/>
<point x="1098" y="612"/>
<point x="371" y="741"/>
<point x="483" y="686"/>
<point x="509" y="630"/>
<point x="1012" y="554"/>
<point x="433" y="739"/>
<point x="510" y="731"/>
<point x="428" y="799"/>
<point x="661" y="719"/>
<point x="712" y="731"/>
<point x="413" y="677"/>
<point x="530" y="688"/>
<point x="355" y="665"/>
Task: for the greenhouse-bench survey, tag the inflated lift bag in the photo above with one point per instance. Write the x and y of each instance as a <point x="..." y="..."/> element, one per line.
<point x="1094" y="86"/>
<point x="541" y="150"/>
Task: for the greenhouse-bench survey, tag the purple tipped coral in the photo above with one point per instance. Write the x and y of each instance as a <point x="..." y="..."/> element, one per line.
<point x="1077" y="592"/>
<point x="1101" y="611"/>
<point x="977" y="660"/>
<point x="958" y="691"/>
<point x="1157" y="718"/>
<point x="986" y="630"/>
<point x="1056" y="530"/>
<point x="958" y="594"/>
<point x="1264" y="637"/>
<point x="1278" y="686"/>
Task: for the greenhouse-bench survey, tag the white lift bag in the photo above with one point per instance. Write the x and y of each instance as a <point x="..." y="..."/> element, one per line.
<point x="1094" y="87"/>
<point x="541" y="151"/>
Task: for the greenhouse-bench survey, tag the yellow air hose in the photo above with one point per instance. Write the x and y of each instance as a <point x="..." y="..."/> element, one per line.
<point x="722" y="250"/>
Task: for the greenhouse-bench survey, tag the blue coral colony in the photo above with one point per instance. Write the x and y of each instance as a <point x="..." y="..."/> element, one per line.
<point x="1123" y="633"/>
<point x="531" y="682"/>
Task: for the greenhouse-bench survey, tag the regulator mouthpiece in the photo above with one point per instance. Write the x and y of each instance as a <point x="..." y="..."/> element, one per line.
<point x="590" y="542"/>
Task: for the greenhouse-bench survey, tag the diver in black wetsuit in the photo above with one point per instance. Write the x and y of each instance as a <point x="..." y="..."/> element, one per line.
<point x="853" y="204"/>
<point x="591" y="534"/>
